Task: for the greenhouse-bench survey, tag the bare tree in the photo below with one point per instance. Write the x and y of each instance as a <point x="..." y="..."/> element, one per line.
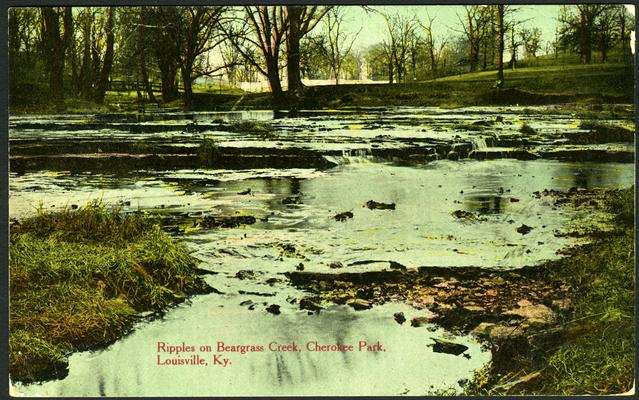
<point x="531" y="38"/>
<point x="473" y="23"/>
<point x="499" y="19"/>
<point x="401" y="31"/>
<point x="339" y="43"/>
<point x="625" y="20"/>
<point x="577" y="27"/>
<point x="301" y="20"/>
<point x="162" y="23"/>
<point x="262" y="28"/>
<point x="435" y="50"/>
<point x="606" y="30"/>
<point x="197" y="34"/>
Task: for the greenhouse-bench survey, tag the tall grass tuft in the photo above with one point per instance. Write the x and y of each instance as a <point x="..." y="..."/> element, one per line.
<point x="79" y="277"/>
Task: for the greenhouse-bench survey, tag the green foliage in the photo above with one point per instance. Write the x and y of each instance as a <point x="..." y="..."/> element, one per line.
<point x="527" y="129"/>
<point x="78" y="278"/>
<point x="209" y="152"/>
<point x="261" y="129"/>
<point x="34" y="357"/>
<point x="93" y="223"/>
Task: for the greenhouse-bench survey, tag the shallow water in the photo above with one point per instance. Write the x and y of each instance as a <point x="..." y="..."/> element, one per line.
<point x="421" y="231"/>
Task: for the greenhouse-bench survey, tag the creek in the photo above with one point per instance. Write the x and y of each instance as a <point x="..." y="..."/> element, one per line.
<point x="400" y="156"/>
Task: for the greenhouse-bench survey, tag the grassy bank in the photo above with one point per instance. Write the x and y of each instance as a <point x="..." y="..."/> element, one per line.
<point x="603" y="83"/>
<point x="593" y="350"/>
<point x="592" y="83"/>
<point x="79" y="279"/>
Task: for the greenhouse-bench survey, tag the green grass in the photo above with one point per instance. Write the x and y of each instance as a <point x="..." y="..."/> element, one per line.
<point x="545" y="84"/>
<point x="593" y="83"/>
<point x="595" y="353"/>
<point x="79" y="278"/>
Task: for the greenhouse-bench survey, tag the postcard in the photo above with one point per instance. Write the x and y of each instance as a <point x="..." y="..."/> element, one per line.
<point x="304" y="200"/>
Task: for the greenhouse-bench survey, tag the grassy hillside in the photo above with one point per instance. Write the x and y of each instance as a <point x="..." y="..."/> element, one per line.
<point x="595" y="83"/>
<point x="578" y="83"/>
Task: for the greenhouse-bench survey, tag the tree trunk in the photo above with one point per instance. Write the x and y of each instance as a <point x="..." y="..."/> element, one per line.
<point x="105" y="73"/>
<point x="273" y="76"/>
<point x="169" y="88"/>
<point x="187" y="94"/>
<point x="295" y="85"/>
<point x="485" y="55"/>
<point x="500" y="44"/>
<point x="474" y="56"/>
<point x="86" y="77"/>
<point x="167" y="74"/>
<point x="56" y="46"/>
<point x="55" y="53"/>
<point x="513" y="46"/>
<point x="144" y="75"/>
<point x="433" y="62"/>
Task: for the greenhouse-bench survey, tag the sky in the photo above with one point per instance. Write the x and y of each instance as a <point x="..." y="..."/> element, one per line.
<point x="446" y="20"/>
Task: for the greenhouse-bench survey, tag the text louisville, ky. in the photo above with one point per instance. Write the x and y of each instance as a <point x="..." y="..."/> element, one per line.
<point x="218" y="354"/>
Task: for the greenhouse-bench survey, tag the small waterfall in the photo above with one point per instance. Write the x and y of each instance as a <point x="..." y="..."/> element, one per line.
<point x="350" y="153"/>
<point x="479" y="143"/>
<point x="352" y="156"/>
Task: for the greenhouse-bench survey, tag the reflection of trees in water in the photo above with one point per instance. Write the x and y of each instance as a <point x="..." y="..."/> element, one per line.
<point x="581" y="178"/>
<point x="283" y="187"/>
<point x="327" y="328"/>
<point x="585" y="175"/>
<point x="295" y="185"/>
<point x="282" y="373"/>
<point x="485" y="204"/>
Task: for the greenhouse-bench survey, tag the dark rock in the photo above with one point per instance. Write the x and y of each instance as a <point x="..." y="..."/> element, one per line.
<point x="448" y="347"/>
<point x="272" y="281"/>
<point x="247" y="303"/>
<point x="399" y="317"/>
<point x="256" y="293"/>
<point x="299" y="267"/>
<point x="419" y="321"/>
<point x="452" y="155"/>
<point x="310" y="303"/>
<point x="461" y="214"/>
<point x="343" y="216"/>
<point x="373" y="205"/>
<point x="223" y="221"/>
<point x="396" y="265"/>
<point x="514" y="200"/>
<point x="245" y="274"/>
<point x="365" y="293"/>
<point x="524" y="229"/>
<point x="273" y="309"/>
<point x="335" y="264"/>
<point x="245" y="192"/>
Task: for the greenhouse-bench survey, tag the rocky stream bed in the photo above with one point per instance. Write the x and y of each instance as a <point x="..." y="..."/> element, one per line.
<point x="418" y="228"/>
